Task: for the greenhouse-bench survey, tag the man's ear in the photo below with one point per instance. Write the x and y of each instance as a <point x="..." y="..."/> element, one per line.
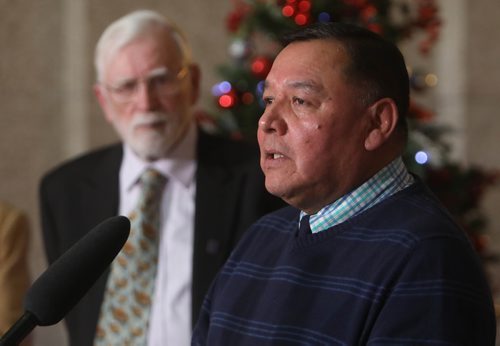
<point x="384" y="117"/>
<point x="102" y="99"/>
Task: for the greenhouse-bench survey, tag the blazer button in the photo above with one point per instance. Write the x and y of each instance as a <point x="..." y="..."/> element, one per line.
<point x="212" y="246"/>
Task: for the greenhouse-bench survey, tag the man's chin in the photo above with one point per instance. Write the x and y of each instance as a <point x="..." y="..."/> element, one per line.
<point x="275" y="189"/>
<point x="151" y="151"/>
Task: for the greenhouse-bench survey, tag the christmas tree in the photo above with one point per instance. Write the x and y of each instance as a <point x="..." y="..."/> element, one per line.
<point x="255" y="27"/>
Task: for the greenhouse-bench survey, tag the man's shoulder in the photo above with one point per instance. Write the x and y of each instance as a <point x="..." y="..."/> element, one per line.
<point x="418" y="211"/>
<point x="109" y="156"/>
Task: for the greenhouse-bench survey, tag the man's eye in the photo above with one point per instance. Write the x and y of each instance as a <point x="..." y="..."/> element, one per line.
<point x="299" y="101"/>
<point x="124" y="88"/>
<point x="161" y="80"/>
<point x="268" y="100"/>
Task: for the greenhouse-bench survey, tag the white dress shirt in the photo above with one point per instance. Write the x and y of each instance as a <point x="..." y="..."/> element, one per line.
<point x="170" y="319"/>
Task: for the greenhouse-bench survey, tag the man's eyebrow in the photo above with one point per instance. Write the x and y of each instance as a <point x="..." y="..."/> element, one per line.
<point x="308" y="85"/>
<point x="157" y="72"/>
<point x="160" y="71"/>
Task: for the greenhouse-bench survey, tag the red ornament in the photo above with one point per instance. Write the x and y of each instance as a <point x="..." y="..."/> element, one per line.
<point x="419" y="113"/>
<point x="427" y="12"/>
<point x="237" y="16"/>
<point x="304" y="6"/>
<point x="260" y="66"/>
<point x="480" y="242"/>
<point x="369" y="12"/>
<point x="237" y="135"/>
<point x="228" y="100"/>
<point x="375" y="27"/>
<point x="301" y="19"/>
<point x="288" y="11"/>
<point x="247" y="98"/>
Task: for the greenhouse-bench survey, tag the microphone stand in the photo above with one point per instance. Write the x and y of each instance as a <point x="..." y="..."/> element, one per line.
<point x="19" y="330"/>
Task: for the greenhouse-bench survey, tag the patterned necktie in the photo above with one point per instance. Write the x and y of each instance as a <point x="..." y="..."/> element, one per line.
<point x="125" y="309"/>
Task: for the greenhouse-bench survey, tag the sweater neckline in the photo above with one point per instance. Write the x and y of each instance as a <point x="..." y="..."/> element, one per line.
<point x="306" y="240"/>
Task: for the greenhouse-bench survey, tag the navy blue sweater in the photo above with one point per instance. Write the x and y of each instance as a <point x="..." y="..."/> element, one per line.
<point x="400" y="273"/>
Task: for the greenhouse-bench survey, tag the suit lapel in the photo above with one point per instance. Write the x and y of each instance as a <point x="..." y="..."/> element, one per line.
<point x="100" y="191"/>
<point x="96" y="199"/>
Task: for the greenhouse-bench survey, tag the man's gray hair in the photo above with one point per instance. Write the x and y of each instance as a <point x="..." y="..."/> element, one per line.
<point x="128" y="28"/>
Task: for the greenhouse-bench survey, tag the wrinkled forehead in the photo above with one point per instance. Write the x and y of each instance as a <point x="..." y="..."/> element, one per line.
<point x="158" y="51"/>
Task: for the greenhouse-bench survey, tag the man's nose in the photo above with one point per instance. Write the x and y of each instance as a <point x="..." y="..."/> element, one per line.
<point x="146" y="98"/>
<point x="272" y="121"/>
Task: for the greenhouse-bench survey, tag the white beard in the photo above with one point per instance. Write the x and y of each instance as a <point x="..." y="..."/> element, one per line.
<point x="151" y="143"/>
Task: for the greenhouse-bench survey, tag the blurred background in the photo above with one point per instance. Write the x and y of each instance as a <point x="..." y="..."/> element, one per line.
<point x="48" y="112"/>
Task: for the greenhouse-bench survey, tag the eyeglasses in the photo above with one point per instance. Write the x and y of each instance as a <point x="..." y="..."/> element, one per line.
<point x="160" y="81"/>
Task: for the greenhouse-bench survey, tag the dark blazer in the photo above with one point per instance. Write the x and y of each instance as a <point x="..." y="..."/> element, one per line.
<point x="79" y="194"/>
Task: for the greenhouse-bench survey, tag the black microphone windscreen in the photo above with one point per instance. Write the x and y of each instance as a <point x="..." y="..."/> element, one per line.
<point x="67" y="280"/>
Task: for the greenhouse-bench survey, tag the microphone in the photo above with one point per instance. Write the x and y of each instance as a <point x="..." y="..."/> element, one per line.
<point x="67" y="280"/>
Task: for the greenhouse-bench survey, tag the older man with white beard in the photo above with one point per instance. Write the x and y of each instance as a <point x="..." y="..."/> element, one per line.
<point x="146" y="86"/>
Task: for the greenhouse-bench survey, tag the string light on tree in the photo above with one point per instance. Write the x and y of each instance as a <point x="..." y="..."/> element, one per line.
<point x="324" y="17"/>
<point x="221" y="88"/>
<point x="421" y="157"/>
<point x="261" y="66"/>
<point x="228" y="100"/>
<point x="239" y="49"/>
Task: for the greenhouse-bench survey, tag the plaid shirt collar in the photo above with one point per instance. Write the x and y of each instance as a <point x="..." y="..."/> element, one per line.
<point x="389" y="180"/>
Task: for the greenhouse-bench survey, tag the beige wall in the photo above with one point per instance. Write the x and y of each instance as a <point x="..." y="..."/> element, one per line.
<point x="47" y="110"/>
<point x="482" y="123"/>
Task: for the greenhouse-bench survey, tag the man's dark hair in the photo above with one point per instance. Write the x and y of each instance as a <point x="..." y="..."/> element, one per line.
<point x="376" y="65"/>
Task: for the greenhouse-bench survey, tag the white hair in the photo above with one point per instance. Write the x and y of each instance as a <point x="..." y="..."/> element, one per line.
<point x="128" y="28"/>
